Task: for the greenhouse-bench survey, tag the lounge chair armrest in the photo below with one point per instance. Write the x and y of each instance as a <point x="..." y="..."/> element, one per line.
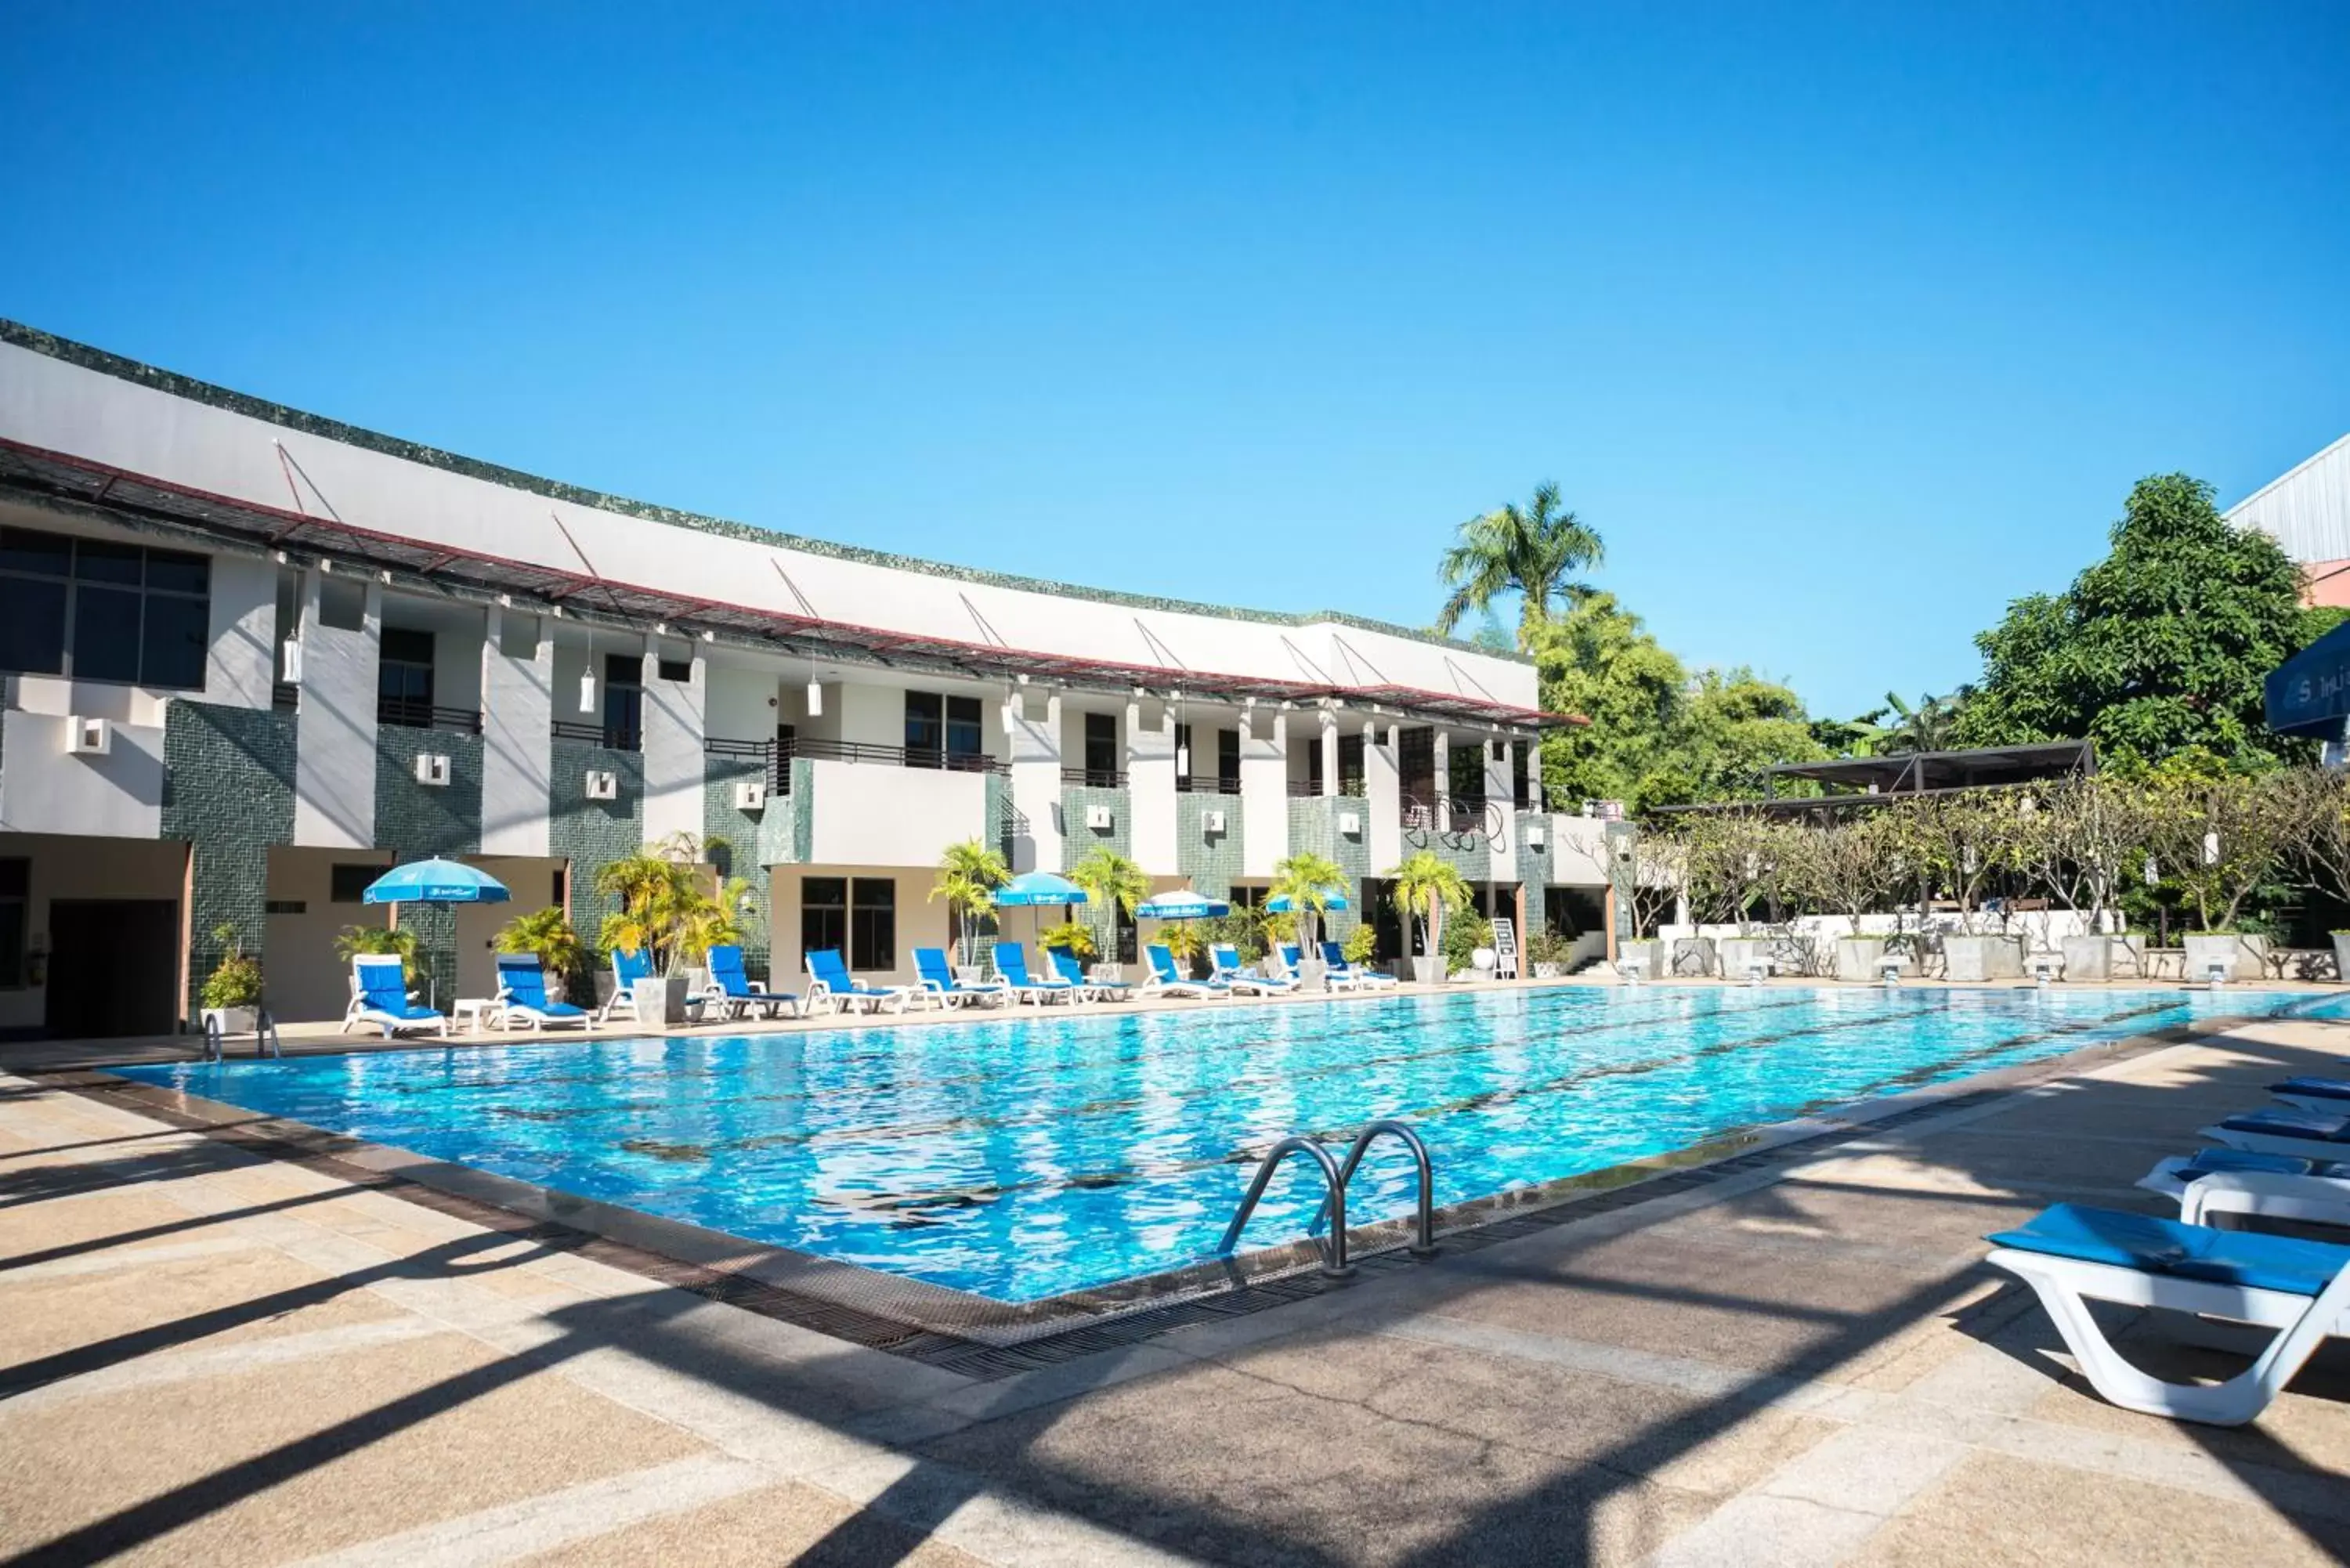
<point x="2227" y="1192"/>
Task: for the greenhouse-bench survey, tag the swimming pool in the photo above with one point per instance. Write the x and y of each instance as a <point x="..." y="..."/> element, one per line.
<point x="1025" y="1157"/>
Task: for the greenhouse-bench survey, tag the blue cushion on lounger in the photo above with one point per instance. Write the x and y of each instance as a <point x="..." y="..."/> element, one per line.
<point x="2209" y="1161"/>
<point x="2154" y="1246"/>
<point x="2291" y="1123"/>
<point x="2314" y="1088"/>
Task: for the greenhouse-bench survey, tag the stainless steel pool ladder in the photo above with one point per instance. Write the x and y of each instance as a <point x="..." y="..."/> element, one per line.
<point x="1334" y="1177"/>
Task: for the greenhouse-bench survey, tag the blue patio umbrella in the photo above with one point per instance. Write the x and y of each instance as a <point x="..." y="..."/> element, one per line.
<point x="1032" y="889"/>
<point x="1182" y="904"/>
<point x="440" y="882"/>
<point x="1280" y="903"/>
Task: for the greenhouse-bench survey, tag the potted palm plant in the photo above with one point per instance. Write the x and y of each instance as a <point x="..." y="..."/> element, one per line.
<point x="1309" y="883"/>
<point x="547" y="934"/>
<point x="969" y="874"/>
<point x="232" y="996"/>
<point x="666" y="915"/>
<point x="1424" y="887"/>
<point x="1113" y="884"/>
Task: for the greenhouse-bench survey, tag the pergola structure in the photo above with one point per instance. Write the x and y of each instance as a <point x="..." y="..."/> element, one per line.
<point x="1859" y="784"/>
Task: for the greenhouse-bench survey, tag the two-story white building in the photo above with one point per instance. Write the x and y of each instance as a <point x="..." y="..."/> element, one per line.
<point x="253" y="657"/>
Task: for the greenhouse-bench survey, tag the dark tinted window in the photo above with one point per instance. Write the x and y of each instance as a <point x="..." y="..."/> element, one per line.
<point x="32" y="626"/>
<point x="169" y="571"/>
<point x="95" y="561"/>
<point x="678" y="669"/>
<point x="1101" y="743"/>
<point x="349" y="884"/>
<point x="925" y="722"/>
<point x="23" y="550"/>
<point x="172" y="650"/>
<point x="873" y="924"/>
<point x="824" y="916"/>
<point x="962" y="726"/>
<point x="105" y="633"/>
<point x="1228" y="758"/>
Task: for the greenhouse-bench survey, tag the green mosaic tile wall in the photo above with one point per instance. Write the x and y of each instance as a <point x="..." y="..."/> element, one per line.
<point x="228" y="792"/>
<point x="1468" y="853"/>
<point x="1078" y="841"/>
<point x="592" y="834"/>
<point x="1211" y="861"/>
<point x="416" y="821"/>
<point x="1001" y="817"/>
<point x="739" y="856"/>
<point x="1314" y="828"/>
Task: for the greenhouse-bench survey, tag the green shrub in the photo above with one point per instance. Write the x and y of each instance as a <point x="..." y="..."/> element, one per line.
<point x="1464" y="933"/>
<point x="235" y="980"/>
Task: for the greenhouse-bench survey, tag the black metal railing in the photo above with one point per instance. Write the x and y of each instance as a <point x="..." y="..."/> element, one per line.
<point x="1352" y="783"/>
<point x="1305" y="789"/>
<point x="285" y="697"/>
<point x="409" y="713"/>
<point x="777" y="768"/>
<point x="893" y="756"/>
<point x="1095" y="778"/>
<point x="1187" y="785"/>
<point x="611" y="737"/>
<point x="1467" y="813"/>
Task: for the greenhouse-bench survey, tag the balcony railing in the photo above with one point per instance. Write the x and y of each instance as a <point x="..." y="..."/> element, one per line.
<point x="1184" y="786"/>
<point x="410" y="714"/>
<point x="1095" y="778"/>
<point x="284" y="696"/>
<point x="893" y="756"/>
<point x="611" y="737"/>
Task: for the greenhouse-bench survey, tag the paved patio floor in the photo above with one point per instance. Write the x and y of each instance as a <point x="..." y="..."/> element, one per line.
<point x="208" y="1357"/>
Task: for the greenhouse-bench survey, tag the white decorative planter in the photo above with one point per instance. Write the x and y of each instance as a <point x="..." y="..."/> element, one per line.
<point x="2245" y="956"/>
<point x="1693" y="957"/>
<point x="231" y="1019"/>
<point x="660" y="1000"/>
<point x="1646" y="951"/>
<point x="1741" y="954"/>
<point x="1857" y="958"/>
<point x="1545" y="971"/>
<point x="2089" y="958"/>
<point x="2342" y="955"/>
<point x="1979" y="959"/>
<point x="1427" y="970"/>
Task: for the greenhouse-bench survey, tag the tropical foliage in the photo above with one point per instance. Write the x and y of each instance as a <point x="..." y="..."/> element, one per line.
<point x="357" y="941"/>
<point x="547" y="933"/>
<point x="1072" y="936"/>
<point x="1530" y="552"/>
<point x="235" y="980"/>
<point x="969" y="874"/>
<point x="1309" y="882"/>
<point x="1424" y="888"/>
<point x="673" y="906"/>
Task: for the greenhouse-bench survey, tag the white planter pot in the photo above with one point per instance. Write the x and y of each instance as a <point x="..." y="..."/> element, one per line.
<point x="1977" y="959"/>
<point x="2244" y="955"/>
<point x="1693" y="957"/>
<point x="1313" y="974"/>
<point x="1545" y="971"/>
<point x="2088" y="958"/>
<point x="231" y="1019"/>
<point x="2342" y="955"/>
<point x="1644" y="951"/>
<point x="1739" y="954"/>
<point x="1426" y="970"/>
<point x="1857" y="958"/>
<point x="660" y="1000"/>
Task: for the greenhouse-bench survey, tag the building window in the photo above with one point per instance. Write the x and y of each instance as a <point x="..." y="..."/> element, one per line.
<point x="937" y="728"/>
<point x="624" y="702"/>
<point x="1228" y="761"/>
<point x="1416" y="765"/>
<point x="823" y="915"/>
<point x="403" y="677"/>
<point x="1314" y="766"/>
<point x="349" y="884"/>
<point x="680" y="670"/>
<point x="15" y="882"/>
<point x="95" y="610"/>
<point x="1466" y="762"/>
<point x="873" y="923"/>
<point x="1350" y="764"/>
<point x="1101" y="749"/>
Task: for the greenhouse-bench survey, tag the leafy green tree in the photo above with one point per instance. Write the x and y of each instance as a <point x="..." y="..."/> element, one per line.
<point x="1424" y="887"/>
<point x="2161" y="646"/>
<point x="1309" y="881"/>
<point x="1531" y="552"/>
<point x="1927" y="727"/>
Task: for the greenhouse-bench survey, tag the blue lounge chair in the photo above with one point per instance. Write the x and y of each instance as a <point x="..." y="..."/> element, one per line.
<point x="1167" y="981"/>
<point x="2298" y="1135"/>
<point x="2071" y="1255"/>
<point x="733" y="992"/>
<point x="1011" y="968"/>
<point x="1334" y="960"/>
<point x="2236" y="1182"/>
<point x="940" y="984"/>
<point x="831" y="984"/>
<point x="1065" y="965"/>
<point x="2319" y="1096"/>
<point x="1227" y="961"/>
<point x="627" y="968"/>
<point x="381" y="984"/>
<point x="522" y="999"/>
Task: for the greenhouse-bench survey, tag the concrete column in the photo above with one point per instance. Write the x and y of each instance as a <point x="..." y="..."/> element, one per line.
<point x="1499" y="794"/>
<point x="1264" y="793"/>
<point x="1330" y="742"/>
<point x="674" y="725"/>
<point x="334" y="774"/>
<point x="1383" y="795"/>
<point x="1533" y="773"/>
<point x="1150" y="789"/>
<point x="517" y="706"/>
<point x="1035" y="781"/>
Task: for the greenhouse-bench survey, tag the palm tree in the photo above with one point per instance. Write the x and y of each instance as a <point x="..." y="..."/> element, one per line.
<point x="1112" y="882"/>
<point x="969" y="874"/>
<point x="1424" y="887"/>
<point x="1531" y="553"/>
<point x="1924" y="728"/>
<point x="1309" y="882"/>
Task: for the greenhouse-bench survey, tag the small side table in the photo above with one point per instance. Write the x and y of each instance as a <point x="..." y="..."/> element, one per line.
<point x="474" y="1014"/>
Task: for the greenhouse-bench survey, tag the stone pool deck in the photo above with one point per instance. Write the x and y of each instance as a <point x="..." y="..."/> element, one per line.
<point x="210" y="1356"/>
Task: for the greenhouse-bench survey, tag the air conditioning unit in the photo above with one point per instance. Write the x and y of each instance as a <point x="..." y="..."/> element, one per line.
<point x="1211" y="822"/>
<point x="1350" y="823"/>
<point x="89" y="737"/>
<point x="431" y="770"/>
<point x="1534" y="835"/>
<point x="751" y="794"/>
<point x="603" y="785"/>
<point x="1098" y="817"/>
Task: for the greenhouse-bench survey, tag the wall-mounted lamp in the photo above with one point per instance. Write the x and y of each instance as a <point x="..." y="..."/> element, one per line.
<point x="815" y="699"/>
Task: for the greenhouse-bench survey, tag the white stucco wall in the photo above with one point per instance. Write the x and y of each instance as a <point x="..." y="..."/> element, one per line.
<point x="242" y="664"/>
<point x="1264" y="793"/>
<point x="741" y="703"/>
<point x="334" y="775"/>
<point x="43" y="788"/>
<point x="1033" y="725"/>
<point x="1383" y="791"/>
<point x="517" y="704"/>
<point x="875" y="814"/>
<point x="1150" y="786"/>
<point x="672" y="746"/>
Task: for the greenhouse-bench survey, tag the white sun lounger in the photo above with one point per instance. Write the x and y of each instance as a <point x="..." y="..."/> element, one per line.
<point x="2234" y="1181"/>
<point x="2071" y="1256"/>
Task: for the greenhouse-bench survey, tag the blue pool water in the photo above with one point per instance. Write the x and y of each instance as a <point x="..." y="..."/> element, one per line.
<point x="1021" y="1157"/>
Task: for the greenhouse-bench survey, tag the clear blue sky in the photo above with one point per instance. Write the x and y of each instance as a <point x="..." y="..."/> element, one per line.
<point x="1844" y="325"/>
